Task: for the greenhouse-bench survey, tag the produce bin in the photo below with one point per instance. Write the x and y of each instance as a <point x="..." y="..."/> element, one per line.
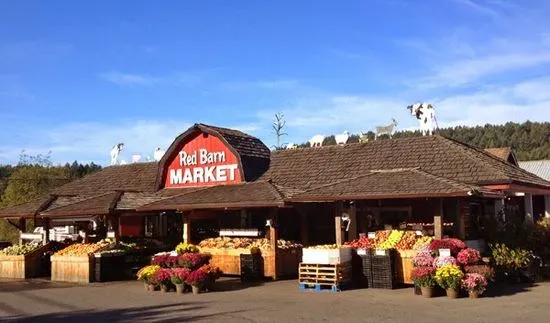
<point x="74" y="269"/>
<point x="23" y="266"/>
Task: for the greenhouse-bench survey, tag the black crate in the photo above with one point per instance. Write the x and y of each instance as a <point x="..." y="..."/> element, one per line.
<point x="366" y="266"/>
<point x="383" y="267"/>
<point x="252" y="267"/>
<point x="109" y="268"/>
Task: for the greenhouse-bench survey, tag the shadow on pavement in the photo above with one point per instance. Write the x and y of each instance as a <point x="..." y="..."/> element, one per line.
<point x="166" y="313"/>
<point x="12" y="285"/>
<point x="508" y="289"/>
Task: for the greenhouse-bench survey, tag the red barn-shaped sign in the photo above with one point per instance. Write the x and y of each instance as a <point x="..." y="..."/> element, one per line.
<point x="202" y="160"/>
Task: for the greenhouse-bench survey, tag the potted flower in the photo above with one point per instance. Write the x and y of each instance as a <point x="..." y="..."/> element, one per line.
<point x="475" y="284"/>
<point x="196" y="279"/>
<point x="178" y="277"/>
<point x="484" y="270"/>
<point x="468" y="256"/>
<point x="163" y="277"/>
<point x="147" y="275"/>
<point x="184" y="247"/>
<point x="449" y="277"/>
<point x="194" y="260"/>
<point x="424" y="277"/>
<point x="213" y="274"/>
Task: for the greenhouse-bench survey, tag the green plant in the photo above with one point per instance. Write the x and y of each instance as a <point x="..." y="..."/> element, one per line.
<point x="508" y="259"/>
<point x="449" y="277"/>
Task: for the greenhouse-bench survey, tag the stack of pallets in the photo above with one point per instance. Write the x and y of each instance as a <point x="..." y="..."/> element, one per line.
<point x="319" y="277"/>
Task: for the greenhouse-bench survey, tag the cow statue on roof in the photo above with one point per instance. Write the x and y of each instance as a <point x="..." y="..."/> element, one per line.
<point x="425" y="113"/>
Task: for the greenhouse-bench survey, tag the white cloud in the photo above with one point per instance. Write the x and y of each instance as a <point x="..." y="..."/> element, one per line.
<point x="128" y="78"/>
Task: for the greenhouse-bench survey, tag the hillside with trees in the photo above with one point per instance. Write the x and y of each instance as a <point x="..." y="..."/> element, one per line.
<point x="34" y="176"/>
<point x="530" y="140"/>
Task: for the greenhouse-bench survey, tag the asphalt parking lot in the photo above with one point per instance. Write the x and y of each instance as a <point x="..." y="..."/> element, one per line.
<point x="281" y="301"/>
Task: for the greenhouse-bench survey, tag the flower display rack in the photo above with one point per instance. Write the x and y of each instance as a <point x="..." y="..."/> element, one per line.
<point x="321" y="277"/>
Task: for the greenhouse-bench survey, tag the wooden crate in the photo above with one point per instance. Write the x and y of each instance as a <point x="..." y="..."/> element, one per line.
<point x="404" y="266"/>
<point x="321" y="274"/>
<point x="74" y="269"/>
<point x="228" y="260"/>
<point x="23" y="266"/>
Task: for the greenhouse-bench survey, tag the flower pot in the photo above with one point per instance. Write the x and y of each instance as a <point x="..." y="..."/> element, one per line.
<point x="417" y="290"/>
<point x="452" y="293"/>
<point x="151" y="287"/>
<point x="473" y="294"/>
<point x="179" y="288"/>
<point x="146" y="286"/>
<point x="196" y="289"/>
<point x="427" y="291"/>
<point x="164" y="288"/>
<point x="209" y="284"/>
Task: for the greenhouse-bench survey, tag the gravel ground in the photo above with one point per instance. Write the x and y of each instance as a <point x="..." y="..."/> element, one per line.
<point x="281" y="301"/>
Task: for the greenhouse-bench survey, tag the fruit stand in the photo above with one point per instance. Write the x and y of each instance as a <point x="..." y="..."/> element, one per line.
<point x="22" y="262"/>
<point x="226" y="253"/>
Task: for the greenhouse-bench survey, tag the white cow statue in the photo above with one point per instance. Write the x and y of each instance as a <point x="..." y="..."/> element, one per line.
<point x="157" y="155"/>
<point x="317" y="141"/>
<point x="115" y="152"/>
<point x="342" y="139"/>
<point x="425" y="113"/>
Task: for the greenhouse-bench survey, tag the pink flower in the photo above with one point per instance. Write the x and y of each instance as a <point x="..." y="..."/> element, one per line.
<point x="444" y="261"/>
<point x="468" y="256"/>
<point x="474" y="282"/>
<point x="454" y="245"/>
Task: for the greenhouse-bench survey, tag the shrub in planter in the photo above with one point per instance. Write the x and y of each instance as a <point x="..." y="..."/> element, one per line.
<point x="484" y="270"/>
<point x="468" y="256"/>
<point x="449" y="277"/>
<point x="147" y="274"/>
<point x="196" y="279"/>
<point x="510" y="261"/>
<point x="163" y="277"/>
<point x="475" y="284"/>
<point x="424" y="277"/>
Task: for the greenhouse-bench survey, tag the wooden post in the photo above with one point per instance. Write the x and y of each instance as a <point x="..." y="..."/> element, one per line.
<point x="186" y="228"/>
<point x="547" y="206"/>
<point x="460" y="228"/>
<point x="499" y="209"/>
<point x="114" y="226"/>
<point x="529" y="206"/>
<point x="338" y="223"/>
<point x="22" y="228"/>
<point x="352" y="233"/>
<point x="304" y="228"/>
<point x="46" y="228"/>
<point x="243" y="219"/>
<point x="438" y="221"/>
<point x="273" y="238"/>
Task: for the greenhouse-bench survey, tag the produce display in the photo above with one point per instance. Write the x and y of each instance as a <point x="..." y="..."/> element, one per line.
<point x="407" y="241"/>
<point x="247" y="243"/>
<point x="83" y="249"/>
<point x="361" y="243"/>
<point x="380" y="237"/>
<point x="392" y="240"/>
<point x="422" y="241"/>
<point x="19" y="250"/>
<point x="323" y="247"/>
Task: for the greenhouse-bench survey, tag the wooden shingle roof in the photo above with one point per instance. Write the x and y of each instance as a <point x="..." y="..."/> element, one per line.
<point x="312" y="167"/>
<point x="98" y="205"/>
<point x="395" y="183"/>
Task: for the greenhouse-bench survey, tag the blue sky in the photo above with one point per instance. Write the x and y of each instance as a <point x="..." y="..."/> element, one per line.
<point x="76" y="77"/>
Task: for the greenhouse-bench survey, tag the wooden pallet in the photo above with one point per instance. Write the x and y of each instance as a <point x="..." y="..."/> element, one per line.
<point x="321" y="287"/>
<point x="325" y="274"/>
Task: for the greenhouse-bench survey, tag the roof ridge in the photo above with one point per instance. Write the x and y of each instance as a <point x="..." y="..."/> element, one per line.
<point x="276" y="189"/>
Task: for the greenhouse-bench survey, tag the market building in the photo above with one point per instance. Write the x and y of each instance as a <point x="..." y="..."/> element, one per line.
<point x="215" y="181"/>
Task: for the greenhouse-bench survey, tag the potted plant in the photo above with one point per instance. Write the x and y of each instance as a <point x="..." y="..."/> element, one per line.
<point x="147" y="275"/>
<point x="484" y="270"/>
<point x="424" y="277"/>
<point x="468" y="256"/>
<point x="475" y="284"/>
<point x="196" y="279"/>
<point x="213" y="273"/>
<point x="163" y="277"/>
<point x="193" y="260"/>
<point x="178" y="277"/>
<point x="444" y="261"/>
<point x="509" y="261"/>
<point x="184" y="247"/>
<point x="449" y="277"/>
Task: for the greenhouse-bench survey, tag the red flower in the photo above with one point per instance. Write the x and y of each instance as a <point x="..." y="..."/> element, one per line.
<point x="196" y="277"/>
<point x="455" y="245"/>
<point x="468" y="256"/>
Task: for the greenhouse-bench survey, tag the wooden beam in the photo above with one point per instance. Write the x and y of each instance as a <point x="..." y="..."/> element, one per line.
<point x="186" y="227"/>
<point x="22" y="228"/>
<point x="273" y="239"/>
<point x="438" y="221"/>
<point x="547" y="206"/>
<point x="352" y="233"/>
<point x="460" y="227"/>
<point x="46" y="228"/>
<point x="338" y="206"/>
<point x="528" y="199"/>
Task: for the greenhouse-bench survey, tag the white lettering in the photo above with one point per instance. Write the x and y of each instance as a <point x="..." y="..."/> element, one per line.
<point x="198" y="173"/>
<point x="232" y="169"/>
<point x="209" y="158"/>
<point x="175" y="176"/>
<point x="221" y="176"/>
<point x="187" y="177"/>
<point x="204" y="156"/>
<point x="209" y="174"/>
